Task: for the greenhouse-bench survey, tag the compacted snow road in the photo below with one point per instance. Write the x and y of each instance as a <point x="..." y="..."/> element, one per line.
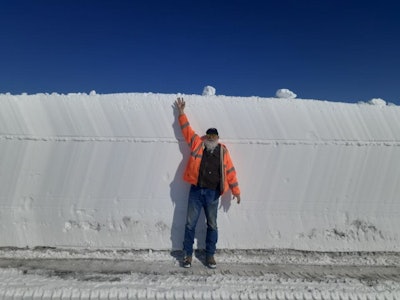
<point x="53" y="274"/>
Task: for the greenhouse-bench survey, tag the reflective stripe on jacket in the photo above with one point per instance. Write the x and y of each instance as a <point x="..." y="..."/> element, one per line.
<point x="195" y="142"/>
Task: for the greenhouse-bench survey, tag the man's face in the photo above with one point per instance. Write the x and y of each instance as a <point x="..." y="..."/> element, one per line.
<point x="212" y="137"/>
<point x="211" y="141"/>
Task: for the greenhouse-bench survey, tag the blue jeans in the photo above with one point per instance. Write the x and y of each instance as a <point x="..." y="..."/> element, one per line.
<point x="208" y="200"/>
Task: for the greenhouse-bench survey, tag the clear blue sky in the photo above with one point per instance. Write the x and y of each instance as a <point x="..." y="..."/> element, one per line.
<point x="339" y="50"/>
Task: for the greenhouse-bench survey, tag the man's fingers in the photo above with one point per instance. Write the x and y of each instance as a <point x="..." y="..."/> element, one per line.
<point x="237" y="199"/>
<point x="180" y="102"/>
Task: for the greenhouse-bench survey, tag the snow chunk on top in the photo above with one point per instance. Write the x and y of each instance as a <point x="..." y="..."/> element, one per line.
<point x="285" y="93"/>
<point x="377" y="102"/>
<point x="209" y="91"/>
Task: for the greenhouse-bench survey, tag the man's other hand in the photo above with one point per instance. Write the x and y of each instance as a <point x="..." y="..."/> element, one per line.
<point x="237" y="198"/>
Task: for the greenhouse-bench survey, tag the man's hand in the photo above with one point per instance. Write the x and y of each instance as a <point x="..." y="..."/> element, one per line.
<point x="237" y="198"/>
<point x="180" y="104"/>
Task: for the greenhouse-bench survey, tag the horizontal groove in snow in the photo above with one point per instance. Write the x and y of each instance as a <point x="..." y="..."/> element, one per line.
<point x="116" y="139"/>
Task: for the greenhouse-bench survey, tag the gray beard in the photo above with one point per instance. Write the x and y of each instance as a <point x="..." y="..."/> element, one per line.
<point x="210" y="145"/>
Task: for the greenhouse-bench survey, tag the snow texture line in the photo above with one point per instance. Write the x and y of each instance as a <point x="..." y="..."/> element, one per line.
<point x="265" y="142"/>
<point x="80" y="139"/>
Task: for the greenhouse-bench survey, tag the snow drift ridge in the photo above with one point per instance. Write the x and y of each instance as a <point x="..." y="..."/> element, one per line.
<point x="104" y="171"/>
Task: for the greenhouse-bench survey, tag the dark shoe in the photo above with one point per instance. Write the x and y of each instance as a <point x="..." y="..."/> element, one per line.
<point x="211" y="262"/>
<point x="187" y="262"/>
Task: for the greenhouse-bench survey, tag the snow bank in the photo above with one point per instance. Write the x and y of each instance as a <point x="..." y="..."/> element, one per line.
<point x="104" y="171"/>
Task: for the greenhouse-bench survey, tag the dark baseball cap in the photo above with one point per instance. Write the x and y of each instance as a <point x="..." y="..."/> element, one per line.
<point x="212" y="131"/>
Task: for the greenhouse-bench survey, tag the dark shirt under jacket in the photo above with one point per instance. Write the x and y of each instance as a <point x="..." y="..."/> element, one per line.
<point x="210" y="169"/>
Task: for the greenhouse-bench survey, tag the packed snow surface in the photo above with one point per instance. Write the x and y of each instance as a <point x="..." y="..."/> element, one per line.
<point x="125" y="274"/>
<point x="105" y="172"/>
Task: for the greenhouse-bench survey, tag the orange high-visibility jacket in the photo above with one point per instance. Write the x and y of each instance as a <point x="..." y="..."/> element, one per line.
<point x="228" y="172"/>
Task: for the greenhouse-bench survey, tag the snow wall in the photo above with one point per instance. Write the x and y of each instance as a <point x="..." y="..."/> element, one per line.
<point x="104" y="171"/>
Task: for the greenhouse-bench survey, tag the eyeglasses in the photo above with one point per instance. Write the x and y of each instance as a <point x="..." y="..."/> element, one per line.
<point x="212" y="136"/>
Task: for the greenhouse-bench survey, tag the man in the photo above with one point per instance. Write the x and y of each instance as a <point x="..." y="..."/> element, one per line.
<point x="210" y="172"/>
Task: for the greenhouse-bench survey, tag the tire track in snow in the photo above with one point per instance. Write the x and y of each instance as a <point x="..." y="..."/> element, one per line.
<point x="127" y="279"/>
